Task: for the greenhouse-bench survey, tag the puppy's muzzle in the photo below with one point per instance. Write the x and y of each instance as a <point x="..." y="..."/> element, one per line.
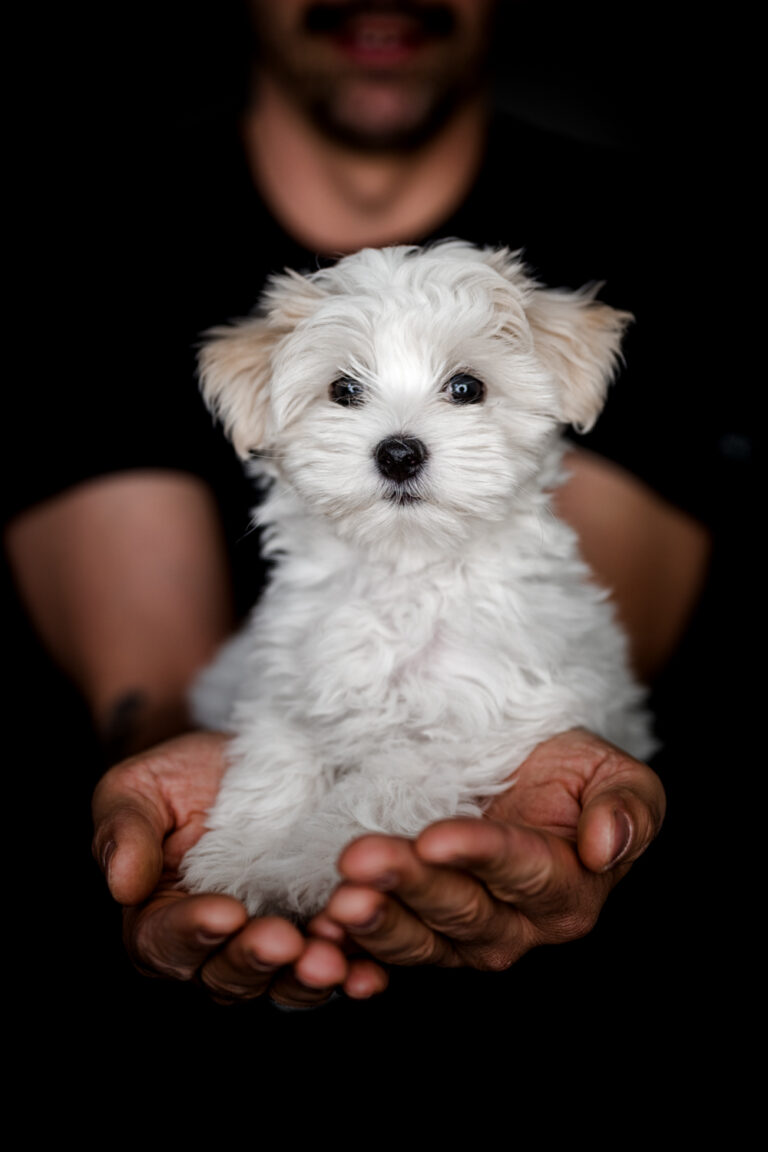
<point x="400" y="458"/>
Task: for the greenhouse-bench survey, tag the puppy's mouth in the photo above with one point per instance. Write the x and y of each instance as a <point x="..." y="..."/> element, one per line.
<point x="402" y="497"/>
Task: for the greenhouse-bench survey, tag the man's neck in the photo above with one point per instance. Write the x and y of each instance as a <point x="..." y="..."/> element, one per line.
<point x="334" y="199"/>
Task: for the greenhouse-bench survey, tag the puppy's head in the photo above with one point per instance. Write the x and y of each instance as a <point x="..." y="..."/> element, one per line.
<point x="411" y="391"/>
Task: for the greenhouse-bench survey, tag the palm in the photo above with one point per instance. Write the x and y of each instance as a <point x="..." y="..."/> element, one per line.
<point x="188" y="782"/>
<point x="561" y="778"/>
<point x="476" y="892"/>
<point x="148" y="811"/>
<point x="151" y="808"/>
<point x="537" y="870"/>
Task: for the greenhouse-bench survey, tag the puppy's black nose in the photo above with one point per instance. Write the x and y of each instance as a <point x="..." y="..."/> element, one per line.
<point x="400" y="457"/>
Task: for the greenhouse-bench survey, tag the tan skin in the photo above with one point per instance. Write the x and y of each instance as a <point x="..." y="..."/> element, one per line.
<point x="336" y="197"/>
<point x="465" y="893"/>
<point x="129" y="604"/>
<point x="113" y="575"/>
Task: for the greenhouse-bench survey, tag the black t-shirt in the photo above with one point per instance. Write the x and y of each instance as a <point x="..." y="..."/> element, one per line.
<point x="190" y="244"/>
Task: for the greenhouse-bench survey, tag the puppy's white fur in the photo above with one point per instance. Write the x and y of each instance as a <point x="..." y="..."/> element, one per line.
<point x="419" y="636"/>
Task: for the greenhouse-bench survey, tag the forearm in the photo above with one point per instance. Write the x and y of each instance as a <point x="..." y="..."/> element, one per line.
<point x="652" y="556"/>
<point x="126" y="582"/>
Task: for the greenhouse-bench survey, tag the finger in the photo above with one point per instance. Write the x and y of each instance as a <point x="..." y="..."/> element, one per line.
<point x="174" y="934"/>
<point x="365" y="979"/>
<point x="387" y="930"/>
<point x="622" y="814"/>
<point x="320" y="969"/>
<point x="129" y="828"/>
<point x="321" y="966"/>
<point x="247" y="964"/>
<point x="449" y="901"/>
<point x="537" y="872"/>
<point x="130" y="854"/>
<point x="325" y="928"/>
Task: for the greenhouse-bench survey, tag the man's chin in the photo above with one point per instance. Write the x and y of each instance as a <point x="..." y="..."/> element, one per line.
<point x="381" y="117"/>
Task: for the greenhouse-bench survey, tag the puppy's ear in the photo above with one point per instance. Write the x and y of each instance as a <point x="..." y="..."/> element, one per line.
<point x="578" y="338"/>
<point x="235" y="367"/>
<point x="235" y="363"/>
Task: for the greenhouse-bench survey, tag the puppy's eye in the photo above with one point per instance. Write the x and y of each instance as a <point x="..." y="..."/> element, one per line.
<point x="346" y="392"/>
<point x="464" y="389"/>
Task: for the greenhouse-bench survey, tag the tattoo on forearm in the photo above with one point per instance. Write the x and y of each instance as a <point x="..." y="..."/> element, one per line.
<point x="120" y="735"/>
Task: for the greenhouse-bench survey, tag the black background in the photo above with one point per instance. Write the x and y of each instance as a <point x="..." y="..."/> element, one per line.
<point x="657" y="1003"/>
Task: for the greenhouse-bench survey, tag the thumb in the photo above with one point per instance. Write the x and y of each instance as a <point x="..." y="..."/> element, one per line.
<point x="129" y="829"/>
<point x="618" y="822"/>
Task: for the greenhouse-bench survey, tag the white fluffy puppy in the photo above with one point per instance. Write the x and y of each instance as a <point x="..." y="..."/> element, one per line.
<point x="429" y="621"/>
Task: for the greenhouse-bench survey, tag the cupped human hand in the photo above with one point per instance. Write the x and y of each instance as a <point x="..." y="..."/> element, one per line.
<point x="148" y="811"/>
<point x="537" y="869"/>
